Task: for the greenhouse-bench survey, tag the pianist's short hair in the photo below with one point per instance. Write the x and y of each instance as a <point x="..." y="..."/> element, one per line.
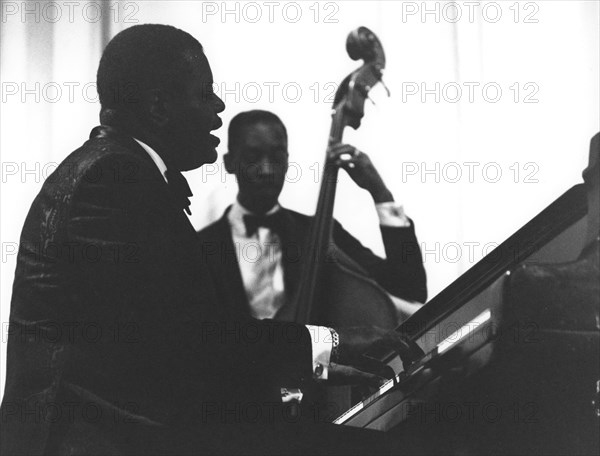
<point x="144" y="57"/>
<point x="246" y="119"/>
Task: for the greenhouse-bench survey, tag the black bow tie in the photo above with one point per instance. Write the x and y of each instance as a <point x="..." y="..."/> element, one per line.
<point x="180" y="189"/>
<point x="275" y="222"/>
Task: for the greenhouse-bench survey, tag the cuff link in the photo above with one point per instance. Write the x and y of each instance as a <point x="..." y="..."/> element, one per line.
<point x="318" y="370"/>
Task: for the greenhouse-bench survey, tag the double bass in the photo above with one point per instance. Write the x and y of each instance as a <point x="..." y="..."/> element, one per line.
<point x="333" y="290"/>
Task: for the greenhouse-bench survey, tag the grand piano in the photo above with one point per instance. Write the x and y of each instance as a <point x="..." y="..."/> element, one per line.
<point x="511" y="348"/>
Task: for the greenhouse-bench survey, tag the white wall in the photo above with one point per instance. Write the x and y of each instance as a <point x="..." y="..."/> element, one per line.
<point x="557" y="56"/>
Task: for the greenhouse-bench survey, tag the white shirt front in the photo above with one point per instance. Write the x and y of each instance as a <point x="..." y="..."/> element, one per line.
<point x="259" y="258"/>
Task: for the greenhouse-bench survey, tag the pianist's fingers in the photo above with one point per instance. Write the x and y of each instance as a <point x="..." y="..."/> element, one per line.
<point x="340" y="374"/>
<point x="408" y="350"/>
<point x="355" y="341"/>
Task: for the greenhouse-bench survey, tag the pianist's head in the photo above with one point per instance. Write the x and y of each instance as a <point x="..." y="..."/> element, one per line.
<point x="155" y="84"/>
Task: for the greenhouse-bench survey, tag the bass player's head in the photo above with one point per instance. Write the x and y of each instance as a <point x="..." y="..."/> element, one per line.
<point x="258" y="156"/>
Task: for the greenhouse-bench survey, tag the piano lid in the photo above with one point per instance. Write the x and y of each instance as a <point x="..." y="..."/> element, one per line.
<point x="549" y="223"/>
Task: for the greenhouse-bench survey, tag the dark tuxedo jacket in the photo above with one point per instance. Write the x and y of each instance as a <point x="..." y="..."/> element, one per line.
<point x="117" y="341"/>
<point x="401" y="273"/>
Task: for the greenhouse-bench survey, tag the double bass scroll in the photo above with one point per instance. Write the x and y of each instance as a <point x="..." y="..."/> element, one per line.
<point x="334" y="290"/>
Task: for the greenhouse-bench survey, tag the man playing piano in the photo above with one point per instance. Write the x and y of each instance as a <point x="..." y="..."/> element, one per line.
<point x="117" y="343"/>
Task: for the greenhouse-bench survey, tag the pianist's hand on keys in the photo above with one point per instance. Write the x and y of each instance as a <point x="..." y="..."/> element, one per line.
<point x="349" y="365"/>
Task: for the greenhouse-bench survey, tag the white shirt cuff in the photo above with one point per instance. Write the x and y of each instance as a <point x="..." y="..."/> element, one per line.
<point x="392" y="214"/>
<point x="322" y="343"/>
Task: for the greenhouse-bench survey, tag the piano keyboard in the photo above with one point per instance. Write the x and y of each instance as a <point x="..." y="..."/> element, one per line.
<point x="467" y="330"/>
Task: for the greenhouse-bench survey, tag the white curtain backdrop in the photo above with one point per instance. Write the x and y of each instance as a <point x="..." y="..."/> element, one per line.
<point x="491" y="111"/>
